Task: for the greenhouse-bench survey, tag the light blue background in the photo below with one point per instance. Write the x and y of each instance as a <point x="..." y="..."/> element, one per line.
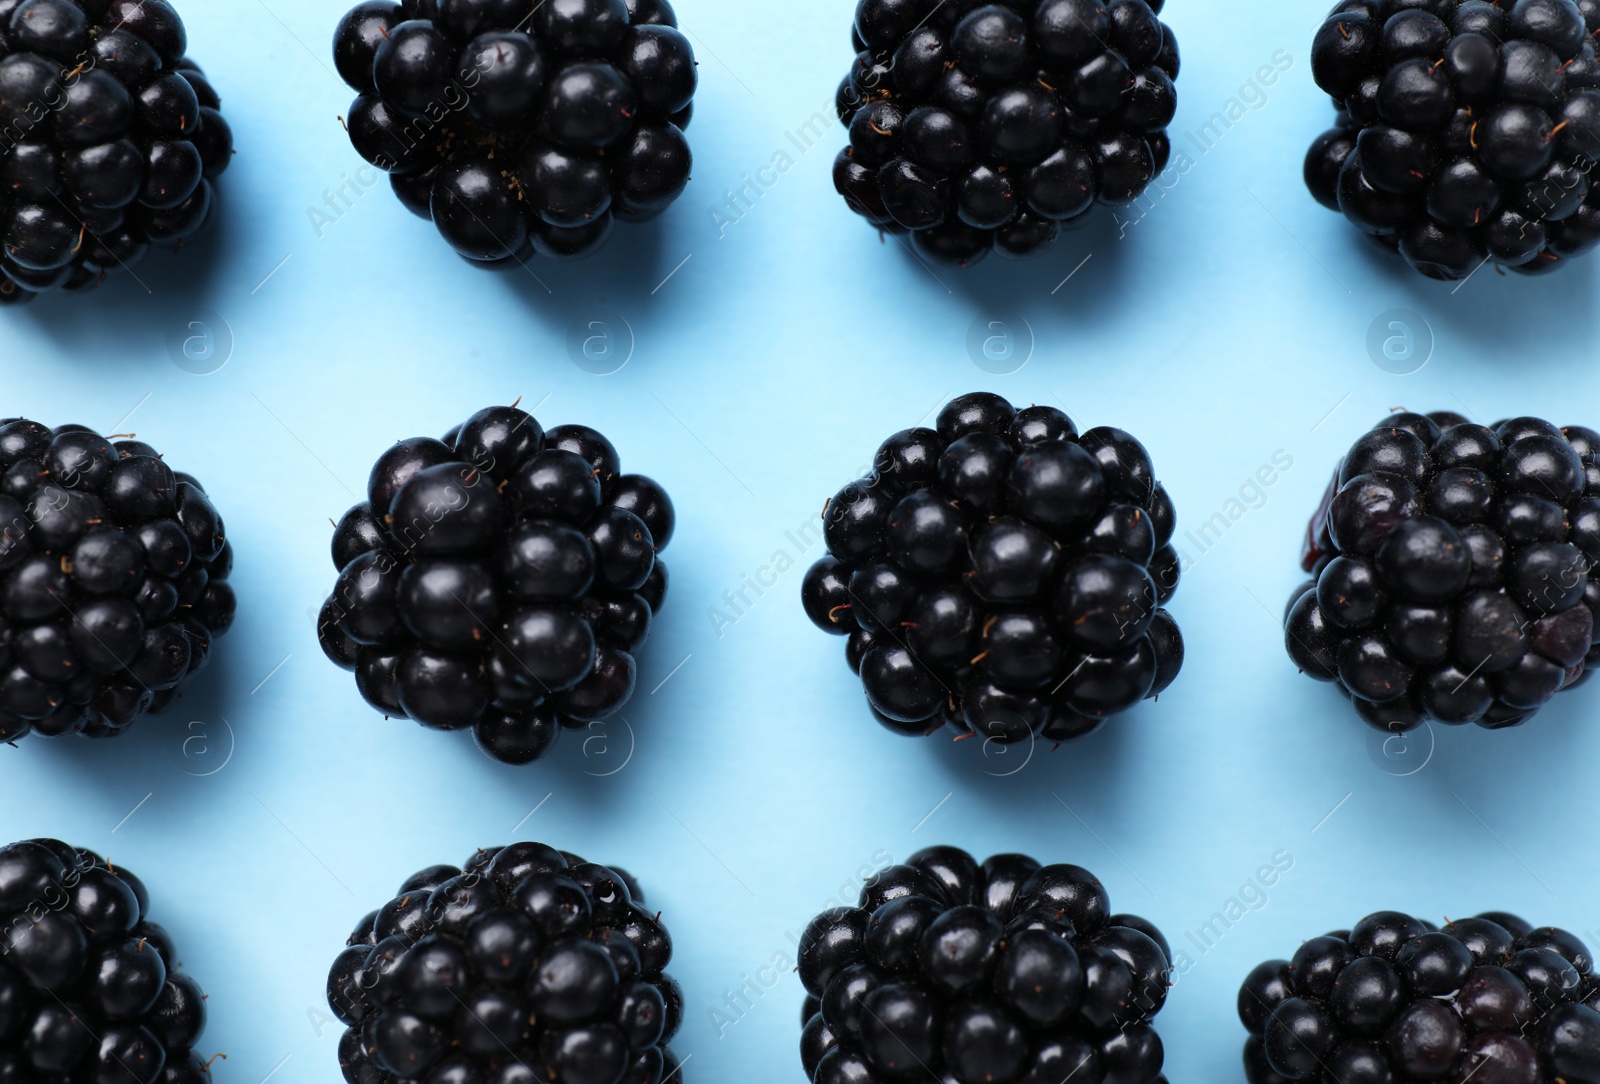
<point x="1231" y="323"/>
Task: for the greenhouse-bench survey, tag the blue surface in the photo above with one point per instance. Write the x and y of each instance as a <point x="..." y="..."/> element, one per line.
<point x="1229" y="326"/>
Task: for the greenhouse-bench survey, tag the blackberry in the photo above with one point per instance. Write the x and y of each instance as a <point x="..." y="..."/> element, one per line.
<point x="519" y="128"/>
<point x="526" y="964"/>
<point x="994" y="126"/>
<point x="89" y="987"/>
<point x="499" y="580"/>
<point x="1485" y="999"/>
<point x="1466" y="131"/>
<point x="1008" y="971"/>
<point x="1451" y="570"/>
<point x="1002" y="574"/>
<point x="110" y="140"/>
<point x="113" y="581"/>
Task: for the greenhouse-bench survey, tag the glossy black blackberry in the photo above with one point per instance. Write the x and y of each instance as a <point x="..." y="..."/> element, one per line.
<point x="1003" y="574"/>
<point x="1483" y="999"/>
<point x="1452" y="569"/>
<point x="1006" y="972"/>
<point x="1467" y="129"/>
<point x="521" y="128"/>
<point x="113" y="581"/>
<point x="89" y="987"/>
<point x="499" y="580"/>
<point x="525" y="965"/>
<point x="110" y="141"/>
<point x="994" y="126"/>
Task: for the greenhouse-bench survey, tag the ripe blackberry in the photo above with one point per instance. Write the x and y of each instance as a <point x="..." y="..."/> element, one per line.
<point x="113" y="581"/>
<point x="500" y="579"/>
<point x="527" y="964"/>
<point x="110" y="140"/>
<point x="1452" y="571"/>
<point x="1484" y="999"/>
<point x="1467" y="129"/>
<point x="977" y="126"/>
<point x="519" y="129"/>
<point x="1002" y="973"/>
<point x="89" y="988"/>
<point x="1002" y="574"/>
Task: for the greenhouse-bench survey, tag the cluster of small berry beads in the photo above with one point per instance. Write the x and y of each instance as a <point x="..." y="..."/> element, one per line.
<point x="519" y="127"/>
<point x="527" y="966"/>
<point x="89" y="988"/>
<point x="113" y="581"/>
<point x="1467" y="129"/>
<point x="1002" y="574"/>
<point x="995" y="125"/>
<point x="1486" y="999"/>
<point x="1452" y="571"/>
<point x="500" y="579"/>
<point x="110" y="140"/>
<point x="1000" y="973"/>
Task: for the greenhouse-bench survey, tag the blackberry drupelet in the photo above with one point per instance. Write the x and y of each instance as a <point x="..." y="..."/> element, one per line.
<point x="89" y="987"/>
<point x="1000" y="973"/>
<point x="1453" y="571"/>
<point x="501" y="579"/>
<point x="993" y="126"/>
<point x="110" y="140"/>
<point x="113" y="581"/>
<point x="1002" y="574"/>
<point x="1486" y="999"/>
<point x="521" y="128"/>
<point x="1467" y="129"/>
<point x="526" y="965"/>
